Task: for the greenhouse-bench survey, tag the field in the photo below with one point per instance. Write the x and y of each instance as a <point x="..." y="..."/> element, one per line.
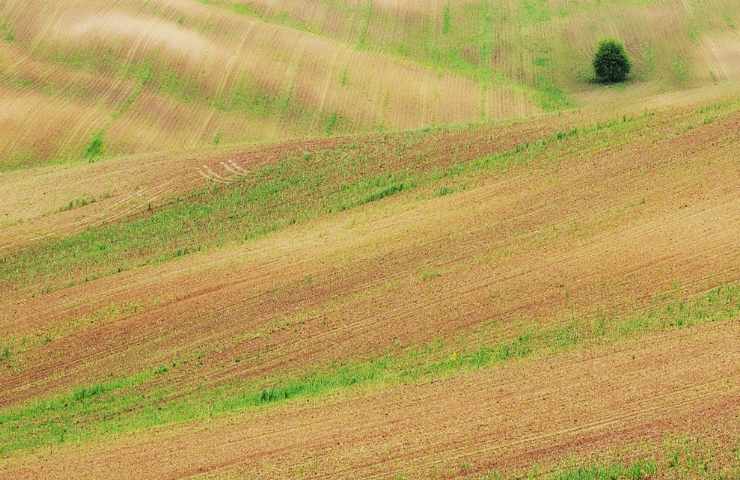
<point x="83" y="79"/>
<point x="368" y="239"/>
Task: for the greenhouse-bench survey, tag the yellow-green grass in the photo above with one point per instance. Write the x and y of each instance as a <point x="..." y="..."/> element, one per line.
<point x="85" y="79"/>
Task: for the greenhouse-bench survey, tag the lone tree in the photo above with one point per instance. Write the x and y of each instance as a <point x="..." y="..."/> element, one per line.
<point x="611" y="64"/>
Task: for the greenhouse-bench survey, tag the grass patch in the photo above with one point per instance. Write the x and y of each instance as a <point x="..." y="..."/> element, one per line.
<point x="5" y="354"/>
<point x="639" y="470"/>
<point x="7" y="33"/>
<point x="444" y="191"/>
<point x="95" y="148"/>
<point x="675" y="457"/>
<point x="331" y="124"/>
<point x="446" y="19"/>
<point x="427" y="275"/>
<point x="121" y="405"/>
<point x="78" y="203"/>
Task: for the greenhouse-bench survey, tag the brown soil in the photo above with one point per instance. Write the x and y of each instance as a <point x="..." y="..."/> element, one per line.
<point x="607" y="233"/>
<point x="505" y="418"/>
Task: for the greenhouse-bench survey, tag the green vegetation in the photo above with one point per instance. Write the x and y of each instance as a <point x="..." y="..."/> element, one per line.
<point x="6" y="32"/>
<point x="331" y="124"/>
<point x="675" y="457"/>
<point x="298" y="188"/>
<point x="88" y="392"/>
<point x="95" y="148"/>
<point x="443" y="191"/>
<point x="611" y="64"/>
<point x="107" y="408"/>
<point x="78" y="203"/>
<point x="639" y="470"/>
<point x="446" y="20"/>
<point x="5" y="354"/>
<point x="518" y="53"/>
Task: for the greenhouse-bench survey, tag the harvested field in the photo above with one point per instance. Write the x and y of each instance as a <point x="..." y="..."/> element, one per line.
<point x="368" y="239"/>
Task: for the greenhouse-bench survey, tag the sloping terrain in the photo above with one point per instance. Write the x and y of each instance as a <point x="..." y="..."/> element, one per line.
<point x="86" y="79"/>
<point x="505" y="419"/>
<point x="427" y="304"/>
<point x="368" y="239"/>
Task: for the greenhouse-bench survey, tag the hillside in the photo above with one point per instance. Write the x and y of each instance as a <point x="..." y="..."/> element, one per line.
<point x="88" y="79"/>
<point x="403" y="239"/>
<point x="520" y="297"/>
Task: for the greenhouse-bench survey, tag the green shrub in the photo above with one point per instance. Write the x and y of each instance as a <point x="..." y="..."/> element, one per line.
<point x="611" y="64"/>
<point x="95" y="147"/>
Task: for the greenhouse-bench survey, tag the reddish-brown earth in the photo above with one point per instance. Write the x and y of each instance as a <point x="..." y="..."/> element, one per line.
<point x="504" y="418"/>
<point x="581" y="229"/>
<point x="606" y="233"/>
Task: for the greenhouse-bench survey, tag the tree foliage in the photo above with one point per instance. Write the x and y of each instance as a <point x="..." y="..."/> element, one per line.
<point x="611" y="63"/>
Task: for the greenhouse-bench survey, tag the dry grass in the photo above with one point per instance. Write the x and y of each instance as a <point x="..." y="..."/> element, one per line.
<point x="164" y="76"/>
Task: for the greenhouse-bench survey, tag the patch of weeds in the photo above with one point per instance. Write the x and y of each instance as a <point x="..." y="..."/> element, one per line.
<point x="563" y="135"/>
<point x="443" y="191"/>
<point x="446" y="19"/>
<point x="367" y="17"/>
<point x="729" y="21"/>
<point x="520" y="347"/>
<point x="535" y="11"/>
<point x="549" y="96"/>
<point x="7" y="33"/>
<point x="368" y="191"/>
<point x="466" y="467"/>
<point x="427" y="275"/>
<point x="85" y="393"/>
<point x="95" y="148"/>
<point x="687" y="457"/>
<point x="680" y="70"/>
<point x="61" y="414"/>
<point x="78" y="203"/>
<point x="639" y="470"/>
<point x="5" y="354"/>
<point x="386" y="192"/>
<point x="331" y="124"/>
<point x="567" y="336"/>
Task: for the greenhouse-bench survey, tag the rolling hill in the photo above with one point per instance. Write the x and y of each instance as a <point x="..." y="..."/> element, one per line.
<point x="83" y="79"/>
<point x="368" y="239"/>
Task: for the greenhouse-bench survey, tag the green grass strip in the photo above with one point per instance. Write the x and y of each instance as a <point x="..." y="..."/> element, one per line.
<point x="126" y="405"/>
